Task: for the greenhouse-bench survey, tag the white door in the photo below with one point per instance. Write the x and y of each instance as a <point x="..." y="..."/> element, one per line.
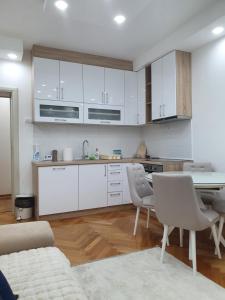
<point x="92" y="186"/>
<point x="169" y="85"/>
<point x="58" y="189"/>
<point x="131" y="95"/>
<point x="71" y="82"/>
<point x="157" y="87"/>
<point x="114" y="87"/>
<point x="46" y="79"/>
<point x="94" y="84"/>
<point x="141" y="97"/>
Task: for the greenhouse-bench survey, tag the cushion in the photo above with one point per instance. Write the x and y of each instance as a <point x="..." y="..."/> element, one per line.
<point x="43" y="273"/>
<point x="5" y="289"/>
<point x="219" y="205"/>
<point x="25" y="236"/>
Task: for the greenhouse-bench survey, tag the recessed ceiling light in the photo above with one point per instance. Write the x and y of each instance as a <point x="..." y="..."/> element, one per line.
<point x="120" y="19"/>
<point x="61" y="4"/>
<point x="12" y="56"/>
<point x="217" y="30"/>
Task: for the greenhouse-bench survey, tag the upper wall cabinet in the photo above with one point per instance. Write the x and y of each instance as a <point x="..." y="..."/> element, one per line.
<point x="131" y="95"/>
<point x="71" y="82"/>
<point x="57" y="80"/>
<point x="114" y="87"/>
<point x="141" y="97"/>
<point x="103" y="85"/>
<point x="46" y="79"/>
<point x="171" y="87"/>
<point x="94" y="84"/>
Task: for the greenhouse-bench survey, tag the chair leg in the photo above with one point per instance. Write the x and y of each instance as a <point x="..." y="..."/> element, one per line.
<point x="148" y="217"/>
<point x="216" y="240"/>
<point x="181" y="237"/>
<point x="190" y="247"/>
<point x="220" y="229"/>
<point x="193" y="251"/>
<point x="136" y="220"/>
<point x="165" y="236"/>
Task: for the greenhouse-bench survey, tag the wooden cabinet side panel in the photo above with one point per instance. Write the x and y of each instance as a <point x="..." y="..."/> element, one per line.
<point x="183" y="87"/>
<point x="178" y="166"/>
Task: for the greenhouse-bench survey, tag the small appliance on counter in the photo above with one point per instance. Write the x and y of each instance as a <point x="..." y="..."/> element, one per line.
<point x="24" y="207"/>
<point x="36" y="152"/>
<point x="54" y="155"/>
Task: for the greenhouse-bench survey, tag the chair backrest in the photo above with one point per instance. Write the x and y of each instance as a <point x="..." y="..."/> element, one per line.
<point x="138" y="184"/>
<point x="177" y="203"/>
<point x="198" y="167"/>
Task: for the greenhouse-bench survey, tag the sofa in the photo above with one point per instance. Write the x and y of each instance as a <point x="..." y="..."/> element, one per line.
<point x="33" y="267"/>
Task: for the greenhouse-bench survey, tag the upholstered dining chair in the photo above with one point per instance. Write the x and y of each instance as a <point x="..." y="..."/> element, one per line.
<point x="140" y="191"/>
<point x="198" y="167"/>
<point x="219" y="206"/>
<point x="177" y="205"/>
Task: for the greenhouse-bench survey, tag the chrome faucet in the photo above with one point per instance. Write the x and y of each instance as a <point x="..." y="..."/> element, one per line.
<point x="85" y="153"/>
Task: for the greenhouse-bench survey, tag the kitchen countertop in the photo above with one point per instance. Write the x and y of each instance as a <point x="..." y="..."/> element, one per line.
<point x="106" y="161"/>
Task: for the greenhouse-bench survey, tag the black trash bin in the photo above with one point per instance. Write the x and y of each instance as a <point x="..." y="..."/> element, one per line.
<point x="24" y="206"/>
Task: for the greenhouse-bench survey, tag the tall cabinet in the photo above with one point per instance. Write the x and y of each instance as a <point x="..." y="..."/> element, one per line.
<point x="171" y="86"/>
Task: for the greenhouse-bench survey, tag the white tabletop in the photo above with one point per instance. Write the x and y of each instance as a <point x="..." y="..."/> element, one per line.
<point x="201" y="180"/>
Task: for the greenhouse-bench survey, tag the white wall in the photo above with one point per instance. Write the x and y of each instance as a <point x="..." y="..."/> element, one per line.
<point x="169" y="140"/>
<point x="5" y="147"/>
<point x="208" y="124"/>
<point x="18" y="75"/>
<point x="106" y="138"/>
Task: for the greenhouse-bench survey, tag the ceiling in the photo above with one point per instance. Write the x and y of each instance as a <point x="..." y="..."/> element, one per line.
<point x="88" y="25"/>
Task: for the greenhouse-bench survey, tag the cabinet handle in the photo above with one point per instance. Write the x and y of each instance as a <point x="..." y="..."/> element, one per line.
<point x="160" y="110"/>
<point x="62" y="93"/>
<point x="103" y="98"/>
<point x="105" y="122"/>
<point x="164" y="109"/>
<point x="105" y="171"/>
<point x="115" y="183"/>
<point x="58" y="169"/>
<point x="57" y="92"/>
<point x="115" y="172"/>
<point x="107" y="98"/>
<point x="60" y="120"/>
<point x="115" y="194"/>
<point x="114" y="166"/>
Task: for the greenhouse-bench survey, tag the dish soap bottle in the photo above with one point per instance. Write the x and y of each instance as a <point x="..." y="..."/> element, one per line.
<point x="97" y="154"/>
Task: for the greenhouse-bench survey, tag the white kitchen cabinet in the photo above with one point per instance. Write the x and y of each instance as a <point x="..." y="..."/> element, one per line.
<point x="141" y="97"/>
<point x="94" y="84"/>
<point x="103" y="114"/>
<point x="114" y="87"/>
<point x="58" y="112"/>
<point x="131" y="99"/>
<point x="171" y="86"/>
<point x="58" y="189"/>
<point x="92" y="186"/>
<point x="157" y="89"/>
<point x="71" y="82"/>
<point x="115" y="198"/>
<point x="46" y="78"/>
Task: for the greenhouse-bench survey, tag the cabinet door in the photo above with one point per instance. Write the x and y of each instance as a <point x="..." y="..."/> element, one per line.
<point x="114" y="87"/>
<point x="157" y="87"/>
<point x="131" y="103"/>
<point x="46" y="79"/>
<point x="169" y="85"/>
<point x="141" y="97"/>
<point x="58" y="189"/>
<point x="92" y="186"/>
<point x="93" y="80"/>
<point x="71" y="82"/>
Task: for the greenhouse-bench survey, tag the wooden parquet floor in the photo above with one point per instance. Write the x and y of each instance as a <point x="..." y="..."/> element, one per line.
<point x="88" y="238"/>
<point x="5" y="204"/>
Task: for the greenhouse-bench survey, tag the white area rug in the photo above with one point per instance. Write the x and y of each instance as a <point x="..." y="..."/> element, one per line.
<point x="140" y="275"/>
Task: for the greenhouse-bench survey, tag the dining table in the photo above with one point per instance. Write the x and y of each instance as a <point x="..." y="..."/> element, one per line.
<point x="202" y="181"/>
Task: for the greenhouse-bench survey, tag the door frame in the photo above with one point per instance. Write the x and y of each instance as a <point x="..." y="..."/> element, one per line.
<point x="12" y="94"/>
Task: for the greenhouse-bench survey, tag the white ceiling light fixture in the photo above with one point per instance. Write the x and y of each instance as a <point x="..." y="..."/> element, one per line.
<point x="61" y="5"/>
<point x="12" y="56"/>
<point x="218" y="30"/>
<point x="120" y="19"/>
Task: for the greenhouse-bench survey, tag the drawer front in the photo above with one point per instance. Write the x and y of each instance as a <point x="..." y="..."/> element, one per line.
<point x="113" y="167"/>
<point x="115" y="175"/>
<point x="115" y="198"/>
<point x="115" y="186"/>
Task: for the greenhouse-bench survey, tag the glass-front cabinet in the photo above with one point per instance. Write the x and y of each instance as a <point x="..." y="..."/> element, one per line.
<point x="99" y="114"/>
<point x="60" y="112"/>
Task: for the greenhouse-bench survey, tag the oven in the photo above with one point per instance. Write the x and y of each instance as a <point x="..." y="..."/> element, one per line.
<point x="151" y="168"/>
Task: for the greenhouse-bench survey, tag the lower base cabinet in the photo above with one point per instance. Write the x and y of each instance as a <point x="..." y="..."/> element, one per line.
<point x="92" y="186"/>
<point x="58" y="189"/>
